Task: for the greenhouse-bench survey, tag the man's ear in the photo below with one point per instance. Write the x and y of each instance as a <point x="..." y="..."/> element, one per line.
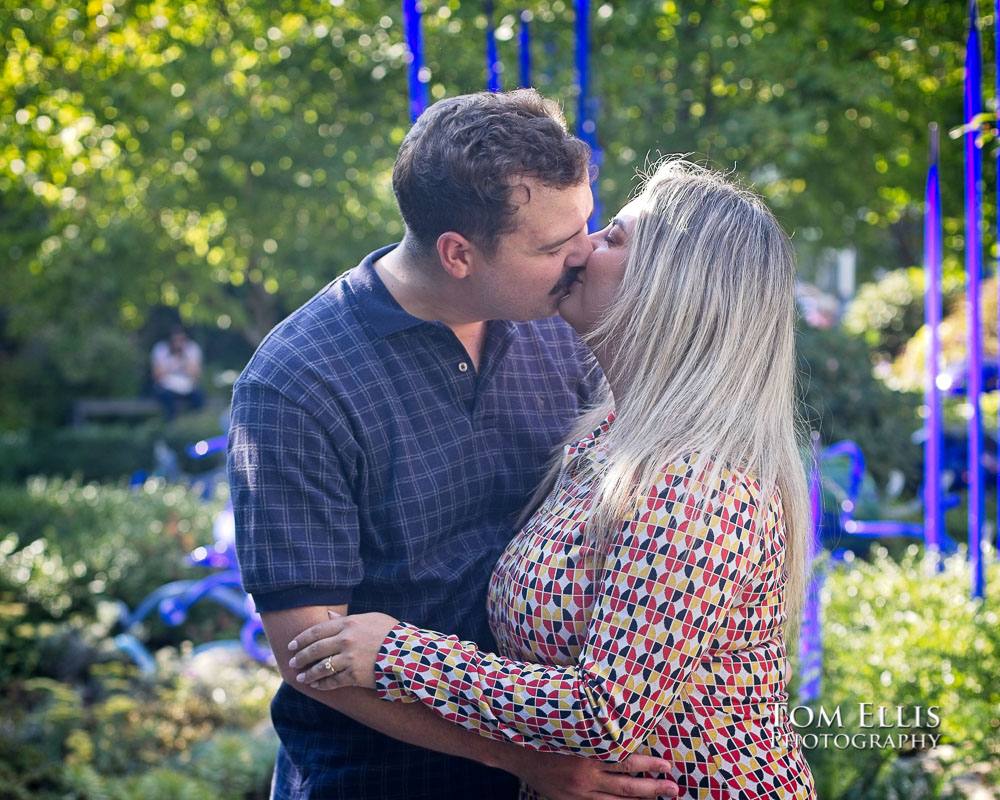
<point x="456" y="254"/>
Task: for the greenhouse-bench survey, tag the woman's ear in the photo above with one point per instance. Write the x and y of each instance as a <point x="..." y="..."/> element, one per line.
<point x="456" y="254"/>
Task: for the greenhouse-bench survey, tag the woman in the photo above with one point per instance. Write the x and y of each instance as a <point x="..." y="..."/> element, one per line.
<point x="641" y="607"/>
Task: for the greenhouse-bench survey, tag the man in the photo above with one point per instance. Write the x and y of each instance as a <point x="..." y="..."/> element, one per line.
<point x="176" y="366"/>
<point x="386" y="436"/>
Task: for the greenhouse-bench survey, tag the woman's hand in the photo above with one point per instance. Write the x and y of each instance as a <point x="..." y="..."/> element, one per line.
<point x="341" y="651"/>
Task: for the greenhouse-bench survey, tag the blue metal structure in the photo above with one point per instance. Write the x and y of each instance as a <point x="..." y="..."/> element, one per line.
<point x="174" y="600"/>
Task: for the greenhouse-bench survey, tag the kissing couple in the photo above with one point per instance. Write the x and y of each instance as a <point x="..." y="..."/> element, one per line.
<point x="522" y="506"/>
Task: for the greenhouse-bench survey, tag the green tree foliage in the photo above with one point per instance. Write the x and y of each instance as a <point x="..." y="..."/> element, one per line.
<point x="888" y="313"/>
<point x="841" y="399"/>
<point x="908" y="368"/>
<point x="228" y="159"/>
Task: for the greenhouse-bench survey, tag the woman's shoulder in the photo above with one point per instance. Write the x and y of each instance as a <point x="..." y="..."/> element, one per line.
<point x="700" y="475"/>
<point x="590" y="445"/>
<point x="707" y="502"/>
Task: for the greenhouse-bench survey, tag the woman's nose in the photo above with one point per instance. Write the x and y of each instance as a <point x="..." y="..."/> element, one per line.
<point x="596" y="237"/>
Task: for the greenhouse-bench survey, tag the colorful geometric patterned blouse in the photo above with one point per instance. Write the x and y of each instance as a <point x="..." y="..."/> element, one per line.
<point x="677" y="652"/>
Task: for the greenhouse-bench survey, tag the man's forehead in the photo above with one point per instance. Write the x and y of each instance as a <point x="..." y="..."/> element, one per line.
<point x="544" y="208"/>
<point x="526" y="187"/>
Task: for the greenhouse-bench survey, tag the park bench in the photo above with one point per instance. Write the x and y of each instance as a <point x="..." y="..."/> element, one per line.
<point x="114" y="408"/>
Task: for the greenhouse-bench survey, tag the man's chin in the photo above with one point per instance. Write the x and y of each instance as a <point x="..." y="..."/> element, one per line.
<point x="540" y="314"/>
<point x="545" y="308"/>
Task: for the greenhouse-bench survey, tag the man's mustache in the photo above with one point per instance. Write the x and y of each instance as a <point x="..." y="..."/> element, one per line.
<point x="567" y="281"/>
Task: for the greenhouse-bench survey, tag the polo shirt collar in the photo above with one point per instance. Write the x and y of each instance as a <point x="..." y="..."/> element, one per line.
<point x="386" y="316"/>
<point x="378" y="307"/>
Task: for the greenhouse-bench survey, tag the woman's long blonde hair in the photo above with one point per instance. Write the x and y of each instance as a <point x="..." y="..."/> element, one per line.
<point x="702" y="330"/>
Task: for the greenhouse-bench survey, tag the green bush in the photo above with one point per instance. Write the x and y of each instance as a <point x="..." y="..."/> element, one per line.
<point x="70" y="553"/>
<point x="200" y="731"/>
<point x="76" y="717"/>
<point x="105" y="452"/>
<point x="46" y="370"/>
<point x="91" y="452"/>
<point x="888" y="312"/>
<point x="897" y="636"/>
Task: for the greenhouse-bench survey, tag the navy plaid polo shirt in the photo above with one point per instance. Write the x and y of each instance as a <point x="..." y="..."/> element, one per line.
<point x="370" y="464"/>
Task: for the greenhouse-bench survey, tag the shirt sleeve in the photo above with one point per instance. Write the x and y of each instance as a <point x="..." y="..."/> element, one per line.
<point x="194" y="354"/>
<point x="158" y="354"/>
<point x="674" y="569"/>
<point x="296" y="517"/>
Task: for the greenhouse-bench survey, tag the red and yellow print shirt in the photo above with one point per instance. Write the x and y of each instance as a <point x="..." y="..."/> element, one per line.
<point x="675" y="650"/>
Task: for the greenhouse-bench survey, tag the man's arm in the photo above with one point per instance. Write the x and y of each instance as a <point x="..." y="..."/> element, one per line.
<point x="192" y="362"/>
<point x="559" y="777"/>
<point x="156" y="364"/>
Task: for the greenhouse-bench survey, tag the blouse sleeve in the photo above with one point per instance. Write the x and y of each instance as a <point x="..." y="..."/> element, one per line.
<point x="674" y="569"/>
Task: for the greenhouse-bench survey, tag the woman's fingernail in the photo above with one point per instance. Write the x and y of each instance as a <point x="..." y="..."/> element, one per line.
<point x="315" y="685"/>
<point x="292" y="663"/>
<point x="293" y="645"/>
<point x="330" y="613"/>
<point x="301" y="677"/>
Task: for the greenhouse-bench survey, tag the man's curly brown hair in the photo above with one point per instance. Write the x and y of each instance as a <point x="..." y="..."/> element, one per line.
<point x="458" y="166"/>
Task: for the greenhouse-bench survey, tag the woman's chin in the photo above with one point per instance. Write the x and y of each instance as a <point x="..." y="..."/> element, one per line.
<point x="569" y="311"/>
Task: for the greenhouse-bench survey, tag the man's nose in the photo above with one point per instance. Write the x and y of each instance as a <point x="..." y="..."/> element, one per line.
<point x="582" y="248"/>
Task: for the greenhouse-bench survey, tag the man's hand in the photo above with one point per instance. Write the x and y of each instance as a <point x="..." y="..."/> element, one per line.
<point x="562" y="777"/>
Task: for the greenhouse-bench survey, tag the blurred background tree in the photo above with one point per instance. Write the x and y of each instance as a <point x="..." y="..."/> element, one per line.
<point x="224" y="161"/>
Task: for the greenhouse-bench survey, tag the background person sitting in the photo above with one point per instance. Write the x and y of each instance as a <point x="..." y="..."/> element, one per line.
<point x="176" y="365"/>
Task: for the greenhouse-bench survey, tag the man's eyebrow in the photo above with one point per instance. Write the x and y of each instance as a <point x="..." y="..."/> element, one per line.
<point x="554" y="245"/>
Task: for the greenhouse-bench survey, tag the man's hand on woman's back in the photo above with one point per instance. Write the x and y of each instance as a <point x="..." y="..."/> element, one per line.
<point x="566" y="777"/>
